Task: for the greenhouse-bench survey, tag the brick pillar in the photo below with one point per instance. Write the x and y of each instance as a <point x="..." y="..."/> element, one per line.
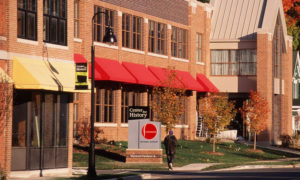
<point x="70" y="137"/>
<point x="191" y="116"/>
<point x="265" y="79"/>
<point x="118" y="110"/>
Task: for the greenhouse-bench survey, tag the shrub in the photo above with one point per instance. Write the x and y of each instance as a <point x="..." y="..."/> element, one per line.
<point x="286" y="140"/>
<point x="84" y="133"/>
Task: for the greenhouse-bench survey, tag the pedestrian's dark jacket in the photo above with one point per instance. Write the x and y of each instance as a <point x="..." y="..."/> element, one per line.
<point x="170" y="143"/>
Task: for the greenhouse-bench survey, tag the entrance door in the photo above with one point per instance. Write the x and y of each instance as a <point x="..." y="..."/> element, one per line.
<point x="40" y="129"/>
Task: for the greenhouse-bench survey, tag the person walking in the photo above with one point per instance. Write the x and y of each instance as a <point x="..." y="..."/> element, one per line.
<point x="170" y="143"/>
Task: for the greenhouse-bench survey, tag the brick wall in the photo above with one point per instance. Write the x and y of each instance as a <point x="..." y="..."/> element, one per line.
<point x="2" y="17"/>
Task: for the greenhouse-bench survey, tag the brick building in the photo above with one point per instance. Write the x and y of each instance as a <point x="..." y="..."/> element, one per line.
<point x="41" y="42"/>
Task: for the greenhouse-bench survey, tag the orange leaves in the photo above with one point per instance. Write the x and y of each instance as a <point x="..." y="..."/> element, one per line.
<point x="287" y="4"/>
<point x="255" y="112"/>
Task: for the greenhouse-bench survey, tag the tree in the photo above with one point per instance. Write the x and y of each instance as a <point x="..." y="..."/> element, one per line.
<point x="292" y="17"/>
<point x="217" y="112"/>
<point x="168" y="101"/>
<point x="255" y="114"/>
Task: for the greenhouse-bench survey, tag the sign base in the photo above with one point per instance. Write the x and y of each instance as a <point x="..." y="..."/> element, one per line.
<point x="144" y="156"/>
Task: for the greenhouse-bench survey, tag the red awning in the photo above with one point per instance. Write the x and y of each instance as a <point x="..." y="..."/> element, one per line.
<point x="205" y="82"/>
<point x="162" y="74"/>
<point x="111" y="70"/>
<point x="189" y="82"/>
<point x="140" y="73"/>
<point x="78" y="58"/>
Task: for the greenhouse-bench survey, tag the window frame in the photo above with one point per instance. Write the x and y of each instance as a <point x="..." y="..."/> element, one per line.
<point x="179" y="44"/>
<point x="99" y="27"/>
<point x="60" y="16"/>
<point x="129" y="98"/>
<point x="199" y="48"/>
<point x="157" y="37"/>
<point x="238" y="62"/>
<point x="25" y="23"/>
<point x="130" y="30"/>
<point x="106" y="102"/>
<point x="76" y="18"/>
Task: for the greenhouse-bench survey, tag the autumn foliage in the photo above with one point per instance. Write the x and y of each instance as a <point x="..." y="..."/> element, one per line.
<point x="84" y="133"/>
<point x="255" y="114"/>
<point x="168" y="101"/>
<point x="217" y="112"/>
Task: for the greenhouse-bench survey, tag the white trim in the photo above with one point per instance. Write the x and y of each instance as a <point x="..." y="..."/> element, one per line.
<point x="180" y="59"/>
<point x="11" y="55"/>
<point x="181" y="126"/>
<point x="3" y="55"/>
<point x="200" y="63"/>
<point x="133" y="50"/>
<point x="120" y="13"/>
<point x="124" y="125"/>
<point x="26" y="41"/>
<point x="77" y="40"/>
<point x="158" y="55"/>
<point x="106" y="124"/>
<point x="55" y="46"/>
<point x="105" y="45"/>
<point x="3" y="38"/>
<point x="146" y="20"/>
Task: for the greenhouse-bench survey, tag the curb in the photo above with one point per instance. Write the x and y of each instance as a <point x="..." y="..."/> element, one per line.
<point x="256" y="167"/>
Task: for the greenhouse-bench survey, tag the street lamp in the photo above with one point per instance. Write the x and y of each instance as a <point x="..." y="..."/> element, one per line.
<point x="109" y="37"/>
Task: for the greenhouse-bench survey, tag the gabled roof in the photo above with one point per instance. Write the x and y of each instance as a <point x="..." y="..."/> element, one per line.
<point x="242" y="19"/>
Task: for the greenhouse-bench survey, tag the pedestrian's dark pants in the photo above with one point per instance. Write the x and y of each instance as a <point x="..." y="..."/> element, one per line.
<point x="170" y="158"/>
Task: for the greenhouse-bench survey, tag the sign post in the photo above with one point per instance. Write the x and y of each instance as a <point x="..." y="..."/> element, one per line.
<point x="144" y="137"/>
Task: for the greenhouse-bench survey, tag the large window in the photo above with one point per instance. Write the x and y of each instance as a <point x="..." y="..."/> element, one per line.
<point x="179" y="43"/>
<point x="55" y="21"/>
<point x="105" y="106"/>
<point x="102" y="21"/>
<point x="129" y="98"/>
<point x="131" y="31"/>
<point x="198" y="47"/>
<point x="233" y="62"/>
<point x="27" y="19"/>
<point x="76" y="18"/>
<point x="157" y="38"/>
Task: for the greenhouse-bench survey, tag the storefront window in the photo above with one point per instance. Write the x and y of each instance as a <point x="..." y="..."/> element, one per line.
<point x="105" y="106"/>
<point x="129" y="98"/>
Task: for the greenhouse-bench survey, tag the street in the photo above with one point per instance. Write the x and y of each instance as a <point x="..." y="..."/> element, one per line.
<point x="280" y="173"/>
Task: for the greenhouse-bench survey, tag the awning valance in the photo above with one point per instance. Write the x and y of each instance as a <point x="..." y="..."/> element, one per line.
<point x="43" y="74"/>
<point x="79" y="58"/>
<point x="189" y="82"/>
<point x="205" y="82"/>
<point x="140" y="73"/>
<point x="111" y="70"/>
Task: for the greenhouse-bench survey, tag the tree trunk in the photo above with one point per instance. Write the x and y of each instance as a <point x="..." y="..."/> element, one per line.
<point x="254" y="140"/>
<point x="214" y="143"/>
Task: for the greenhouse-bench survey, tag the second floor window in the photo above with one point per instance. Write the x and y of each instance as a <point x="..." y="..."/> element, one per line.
<point x="27" y="19"/>
<point x="102" y="21"/>
<point x="179" y="43"/>
<point x="233" y="62"/>
<point x="76" y="18"/>
<point x="55" y="21"/>
<point x="157" y="38"/>
<point x="198" y="47"/>
<point x="131" y="31"/>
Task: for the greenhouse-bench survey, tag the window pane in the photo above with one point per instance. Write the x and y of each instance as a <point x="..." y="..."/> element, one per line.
<point x="48" y="123"/>
<point x="62" y="9"/>
<point x="21" y="4"/>
<point x="62" y="124"/>
<point x="19" y="124"/>
<point x="53" y="30"/>
<point x="31" y="5"/>
<point x="62" y="32"/>
<point x="31" y="31"/>
<point x="35" y="121"/>
<point x="46" y="28"/>
<point x="21" y="24"/>
<point x="46" y="6"/>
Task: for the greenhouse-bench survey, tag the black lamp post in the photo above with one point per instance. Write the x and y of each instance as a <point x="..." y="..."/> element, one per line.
<point x="109" y="37"/>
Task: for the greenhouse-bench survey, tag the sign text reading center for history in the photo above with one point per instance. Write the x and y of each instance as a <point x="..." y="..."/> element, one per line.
<point x="138" y="113"/>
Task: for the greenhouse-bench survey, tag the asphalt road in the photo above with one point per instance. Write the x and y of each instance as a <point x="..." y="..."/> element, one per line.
<point x="257" y="174"/>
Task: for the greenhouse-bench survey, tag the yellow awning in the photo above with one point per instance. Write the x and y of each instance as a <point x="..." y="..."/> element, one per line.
<point x="4" y="78"/>
<point x="44" y="74"/>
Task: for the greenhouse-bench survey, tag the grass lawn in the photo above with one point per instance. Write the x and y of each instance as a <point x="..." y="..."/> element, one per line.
<point x="112" y="156"/>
